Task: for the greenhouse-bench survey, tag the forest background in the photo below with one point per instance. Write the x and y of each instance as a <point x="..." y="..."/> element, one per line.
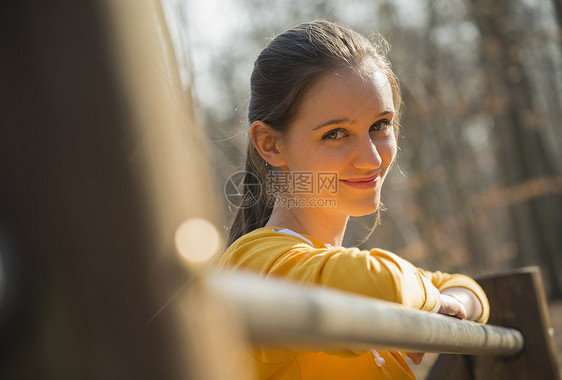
<point x="478" y="185"/>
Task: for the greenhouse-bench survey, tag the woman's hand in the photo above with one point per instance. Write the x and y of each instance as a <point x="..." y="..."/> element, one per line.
<point x="469" y="301"/>
<point x="449" y="305"/>
<point x="416" y="357"/>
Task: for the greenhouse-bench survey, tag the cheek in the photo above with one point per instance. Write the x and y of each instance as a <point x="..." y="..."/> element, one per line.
<point x="317" y="156"/>
<point x="331" y="160"/>
<point x="293" y="148"/>
<point x="387" y="149"/>
<point x="394" y="149"/>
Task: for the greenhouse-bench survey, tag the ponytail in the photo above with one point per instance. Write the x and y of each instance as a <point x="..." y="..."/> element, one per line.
<point x="257" y="204"/>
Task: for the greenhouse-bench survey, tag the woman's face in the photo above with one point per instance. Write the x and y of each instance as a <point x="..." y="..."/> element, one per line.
<point x="345" y="126"/>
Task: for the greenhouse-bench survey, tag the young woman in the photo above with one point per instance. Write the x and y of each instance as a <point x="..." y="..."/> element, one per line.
<point x="324" y="113"/>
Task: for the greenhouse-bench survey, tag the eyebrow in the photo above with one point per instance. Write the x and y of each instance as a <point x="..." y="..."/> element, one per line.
<point x="346" y="120"/>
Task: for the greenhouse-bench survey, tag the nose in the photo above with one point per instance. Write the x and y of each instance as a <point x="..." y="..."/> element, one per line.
<point x="367" y="156"/>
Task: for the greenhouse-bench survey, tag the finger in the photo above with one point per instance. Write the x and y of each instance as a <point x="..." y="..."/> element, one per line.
<point x="457" y="310"/>
<point x="462" y="311"/>
<point x="415" y="357"/>
<point x="451" y="306"/>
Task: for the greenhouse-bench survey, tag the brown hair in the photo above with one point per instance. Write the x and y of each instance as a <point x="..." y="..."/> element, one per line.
<point x="284" y="70"/>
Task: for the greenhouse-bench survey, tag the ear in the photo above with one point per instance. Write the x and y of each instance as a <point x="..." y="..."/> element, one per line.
<point x="267" y="142"/>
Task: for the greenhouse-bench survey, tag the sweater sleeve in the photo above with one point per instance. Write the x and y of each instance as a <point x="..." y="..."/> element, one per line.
<point x="375" y="273"/>
<point x="443" y="281"/>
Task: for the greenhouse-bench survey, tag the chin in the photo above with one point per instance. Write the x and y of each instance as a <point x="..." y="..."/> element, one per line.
<point x="362" y="210"/>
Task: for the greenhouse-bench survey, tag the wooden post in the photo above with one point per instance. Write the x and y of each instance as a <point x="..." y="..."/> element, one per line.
<point x="517" y="300"/>
<point x="100" y="162"/>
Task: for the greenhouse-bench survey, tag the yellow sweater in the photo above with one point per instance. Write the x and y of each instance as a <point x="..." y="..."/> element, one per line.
<point x="279" y="252"/>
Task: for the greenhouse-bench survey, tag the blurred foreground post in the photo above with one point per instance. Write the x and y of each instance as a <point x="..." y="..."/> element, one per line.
<point x="517" y="300"/>
<point x="100" y="162"/>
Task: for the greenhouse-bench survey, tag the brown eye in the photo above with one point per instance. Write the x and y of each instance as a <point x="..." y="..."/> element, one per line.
<point x="336" y="134"/>
<point x="380" y="125"/>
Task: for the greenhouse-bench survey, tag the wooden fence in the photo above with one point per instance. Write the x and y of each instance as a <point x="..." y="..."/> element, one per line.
<point x="516" y="344"/>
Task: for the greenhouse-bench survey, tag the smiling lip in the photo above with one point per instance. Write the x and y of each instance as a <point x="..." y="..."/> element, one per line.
<point x="363" y="183"/>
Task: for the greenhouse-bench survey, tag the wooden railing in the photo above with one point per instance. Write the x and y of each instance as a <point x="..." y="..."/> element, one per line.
<point x="279" y="313"/>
